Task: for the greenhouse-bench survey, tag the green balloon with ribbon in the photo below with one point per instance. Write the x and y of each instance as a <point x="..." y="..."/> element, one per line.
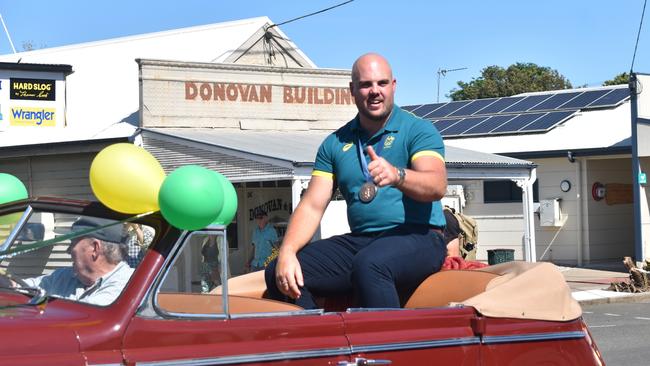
<point x="191" y="197"/>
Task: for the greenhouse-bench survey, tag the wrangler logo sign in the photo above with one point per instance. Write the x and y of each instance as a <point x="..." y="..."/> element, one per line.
<point x="31" y="116"/>
<point x="31" y="89"/>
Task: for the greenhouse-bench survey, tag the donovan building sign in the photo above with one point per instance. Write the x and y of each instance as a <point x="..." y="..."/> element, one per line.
<point x="187" y="94"/>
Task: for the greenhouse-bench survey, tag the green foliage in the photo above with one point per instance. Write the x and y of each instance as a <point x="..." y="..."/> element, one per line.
<point x="622" y="78"/>
<point x="496" y="81"/>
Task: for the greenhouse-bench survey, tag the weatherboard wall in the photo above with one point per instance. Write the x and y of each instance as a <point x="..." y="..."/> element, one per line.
<point x="611" y="226"/>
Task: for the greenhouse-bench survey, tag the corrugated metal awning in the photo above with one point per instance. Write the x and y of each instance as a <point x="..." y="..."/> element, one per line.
<point x="268" y="155"/>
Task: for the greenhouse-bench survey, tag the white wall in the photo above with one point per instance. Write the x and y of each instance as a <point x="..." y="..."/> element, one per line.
<point x="645" y="209"/>
<point x="500" y="225"/>
<point x="559" y="243"/>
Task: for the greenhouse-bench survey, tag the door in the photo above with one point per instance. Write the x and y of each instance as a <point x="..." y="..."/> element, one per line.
<point x="439" y="336"/>
<point x="183" y="321"/>
<point x="301" y="340"/>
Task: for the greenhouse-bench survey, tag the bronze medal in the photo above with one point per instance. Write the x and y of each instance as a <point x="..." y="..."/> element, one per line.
<point x="367" y="192"/>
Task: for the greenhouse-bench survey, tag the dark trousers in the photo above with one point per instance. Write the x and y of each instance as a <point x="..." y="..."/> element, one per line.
<point x="378" y="268"/>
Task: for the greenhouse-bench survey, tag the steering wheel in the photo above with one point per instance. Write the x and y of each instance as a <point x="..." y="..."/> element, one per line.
<point x="7" y="280"/>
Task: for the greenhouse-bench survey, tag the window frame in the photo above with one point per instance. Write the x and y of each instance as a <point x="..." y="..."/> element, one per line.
<point x="514" y="191"/>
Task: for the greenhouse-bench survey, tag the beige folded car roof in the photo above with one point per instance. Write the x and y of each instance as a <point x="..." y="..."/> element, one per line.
<point x="526" y="291"/>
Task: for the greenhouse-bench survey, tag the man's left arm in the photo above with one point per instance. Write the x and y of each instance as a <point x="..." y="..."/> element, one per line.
<point x="425" y="181"/>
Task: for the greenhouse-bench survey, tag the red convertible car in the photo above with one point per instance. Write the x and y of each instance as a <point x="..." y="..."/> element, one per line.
<point x="179" y="307"/>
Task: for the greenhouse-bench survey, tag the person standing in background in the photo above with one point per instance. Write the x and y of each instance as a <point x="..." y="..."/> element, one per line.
<point x="263" y="239"/>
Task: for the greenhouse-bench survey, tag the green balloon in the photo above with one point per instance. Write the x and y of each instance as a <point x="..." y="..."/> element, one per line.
<point x="229" y="202"/>
<point x="191" y="197"/>
<point x="11" y="188"/>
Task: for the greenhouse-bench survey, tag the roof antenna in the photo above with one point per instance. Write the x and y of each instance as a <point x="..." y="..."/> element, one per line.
<point x="7" y="33"/>
<point x="443" y="72"/>
<point x="268" y="36"/>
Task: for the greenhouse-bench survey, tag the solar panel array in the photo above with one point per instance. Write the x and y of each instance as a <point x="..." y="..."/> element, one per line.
<point x="517" y="114"/>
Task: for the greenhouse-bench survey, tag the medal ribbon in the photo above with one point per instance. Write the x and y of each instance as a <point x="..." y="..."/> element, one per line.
<point x="362" y="158"/>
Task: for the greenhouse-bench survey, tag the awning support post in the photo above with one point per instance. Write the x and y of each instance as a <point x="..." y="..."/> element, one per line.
<point x="526" y="185"/>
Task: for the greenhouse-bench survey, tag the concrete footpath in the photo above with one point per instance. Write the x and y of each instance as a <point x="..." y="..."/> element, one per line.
<point x="589" y="285"/>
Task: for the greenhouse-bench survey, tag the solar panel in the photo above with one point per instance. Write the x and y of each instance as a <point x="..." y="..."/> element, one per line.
<point x="517" y="123"/>
<point x="517" y="114"/>
<point x="499" y="105"/>
<point x="526" y="103"/>
<point x="613" y="98"/>
<point x="473" y="107"/>
<point x="426" y="109"/>
<point x="410" y="108"/>
<point x="463" y="125"/>
<point x="547" y="121"/>
<point x="489" y="124"/>
<point x="442" y="124"/>
<point x="447" y="108"/>
<point x="555" y="101"/>
<point x="584" y="99"/>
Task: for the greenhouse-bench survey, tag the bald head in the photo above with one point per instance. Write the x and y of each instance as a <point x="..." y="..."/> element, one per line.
<point x="373" y="88"/>
<point x="368" y="60"/>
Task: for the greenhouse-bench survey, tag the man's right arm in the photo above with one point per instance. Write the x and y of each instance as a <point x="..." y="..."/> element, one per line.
<point x="302" y="226"/>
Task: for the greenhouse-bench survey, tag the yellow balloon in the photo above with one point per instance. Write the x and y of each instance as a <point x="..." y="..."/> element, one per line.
<point x="126" y="178"/>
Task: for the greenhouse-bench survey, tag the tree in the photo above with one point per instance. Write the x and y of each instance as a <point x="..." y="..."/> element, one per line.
<point x="31" y="46"/>
<point x="622" y="78"/>
<point x="496" y="81"/>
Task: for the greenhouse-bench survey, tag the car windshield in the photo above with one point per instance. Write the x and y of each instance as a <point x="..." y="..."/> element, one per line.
<point x="76" y="257"/>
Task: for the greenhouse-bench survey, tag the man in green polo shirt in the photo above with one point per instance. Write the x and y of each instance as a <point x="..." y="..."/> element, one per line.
<point x="389" y="165"/>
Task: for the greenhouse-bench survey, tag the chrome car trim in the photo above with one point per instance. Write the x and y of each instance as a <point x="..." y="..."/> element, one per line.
<point x="279" y="313"/>
<point x="222" y="316"/>
<point x="260" y="357"/>
<point x="417" y="345"/>
<point x="367" y="310"/>
<point x="224" y="249"/>
<point x="148" y="307"/>
<point x="533" y="337"/>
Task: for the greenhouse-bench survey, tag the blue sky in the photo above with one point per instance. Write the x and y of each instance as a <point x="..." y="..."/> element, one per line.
<point x="588" y="41"/>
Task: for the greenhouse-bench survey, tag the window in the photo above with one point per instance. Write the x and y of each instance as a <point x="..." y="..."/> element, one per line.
<point x="195" y="272"/>
<point x="45" y="247"/>
<point x="503" y="191"/>
<point x="193" y="283"/>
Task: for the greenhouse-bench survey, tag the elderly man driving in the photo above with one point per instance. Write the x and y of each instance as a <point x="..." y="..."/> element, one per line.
<point x="98" y="273"/>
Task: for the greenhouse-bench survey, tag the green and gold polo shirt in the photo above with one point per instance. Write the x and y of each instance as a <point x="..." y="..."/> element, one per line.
<point x="405" y="138"/>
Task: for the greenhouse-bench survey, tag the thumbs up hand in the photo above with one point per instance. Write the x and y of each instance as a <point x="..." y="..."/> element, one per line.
<point x="382" y="172"/>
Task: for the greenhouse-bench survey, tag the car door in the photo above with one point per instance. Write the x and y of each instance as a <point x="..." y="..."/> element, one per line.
<point x="443" y="335"/>
<point x="186" y="321"/>
<point x="300" y="339"/>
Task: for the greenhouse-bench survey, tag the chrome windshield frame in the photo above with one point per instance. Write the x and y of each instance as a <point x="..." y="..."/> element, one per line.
<point x="14" y="233"/>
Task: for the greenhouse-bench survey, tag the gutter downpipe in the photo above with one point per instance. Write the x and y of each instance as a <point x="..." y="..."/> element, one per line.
<point x="579" y="219"/>
<point x="529" y="223"/>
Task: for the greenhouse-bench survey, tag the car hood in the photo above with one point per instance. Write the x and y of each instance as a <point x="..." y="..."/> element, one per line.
<point x="48" y="328"/>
